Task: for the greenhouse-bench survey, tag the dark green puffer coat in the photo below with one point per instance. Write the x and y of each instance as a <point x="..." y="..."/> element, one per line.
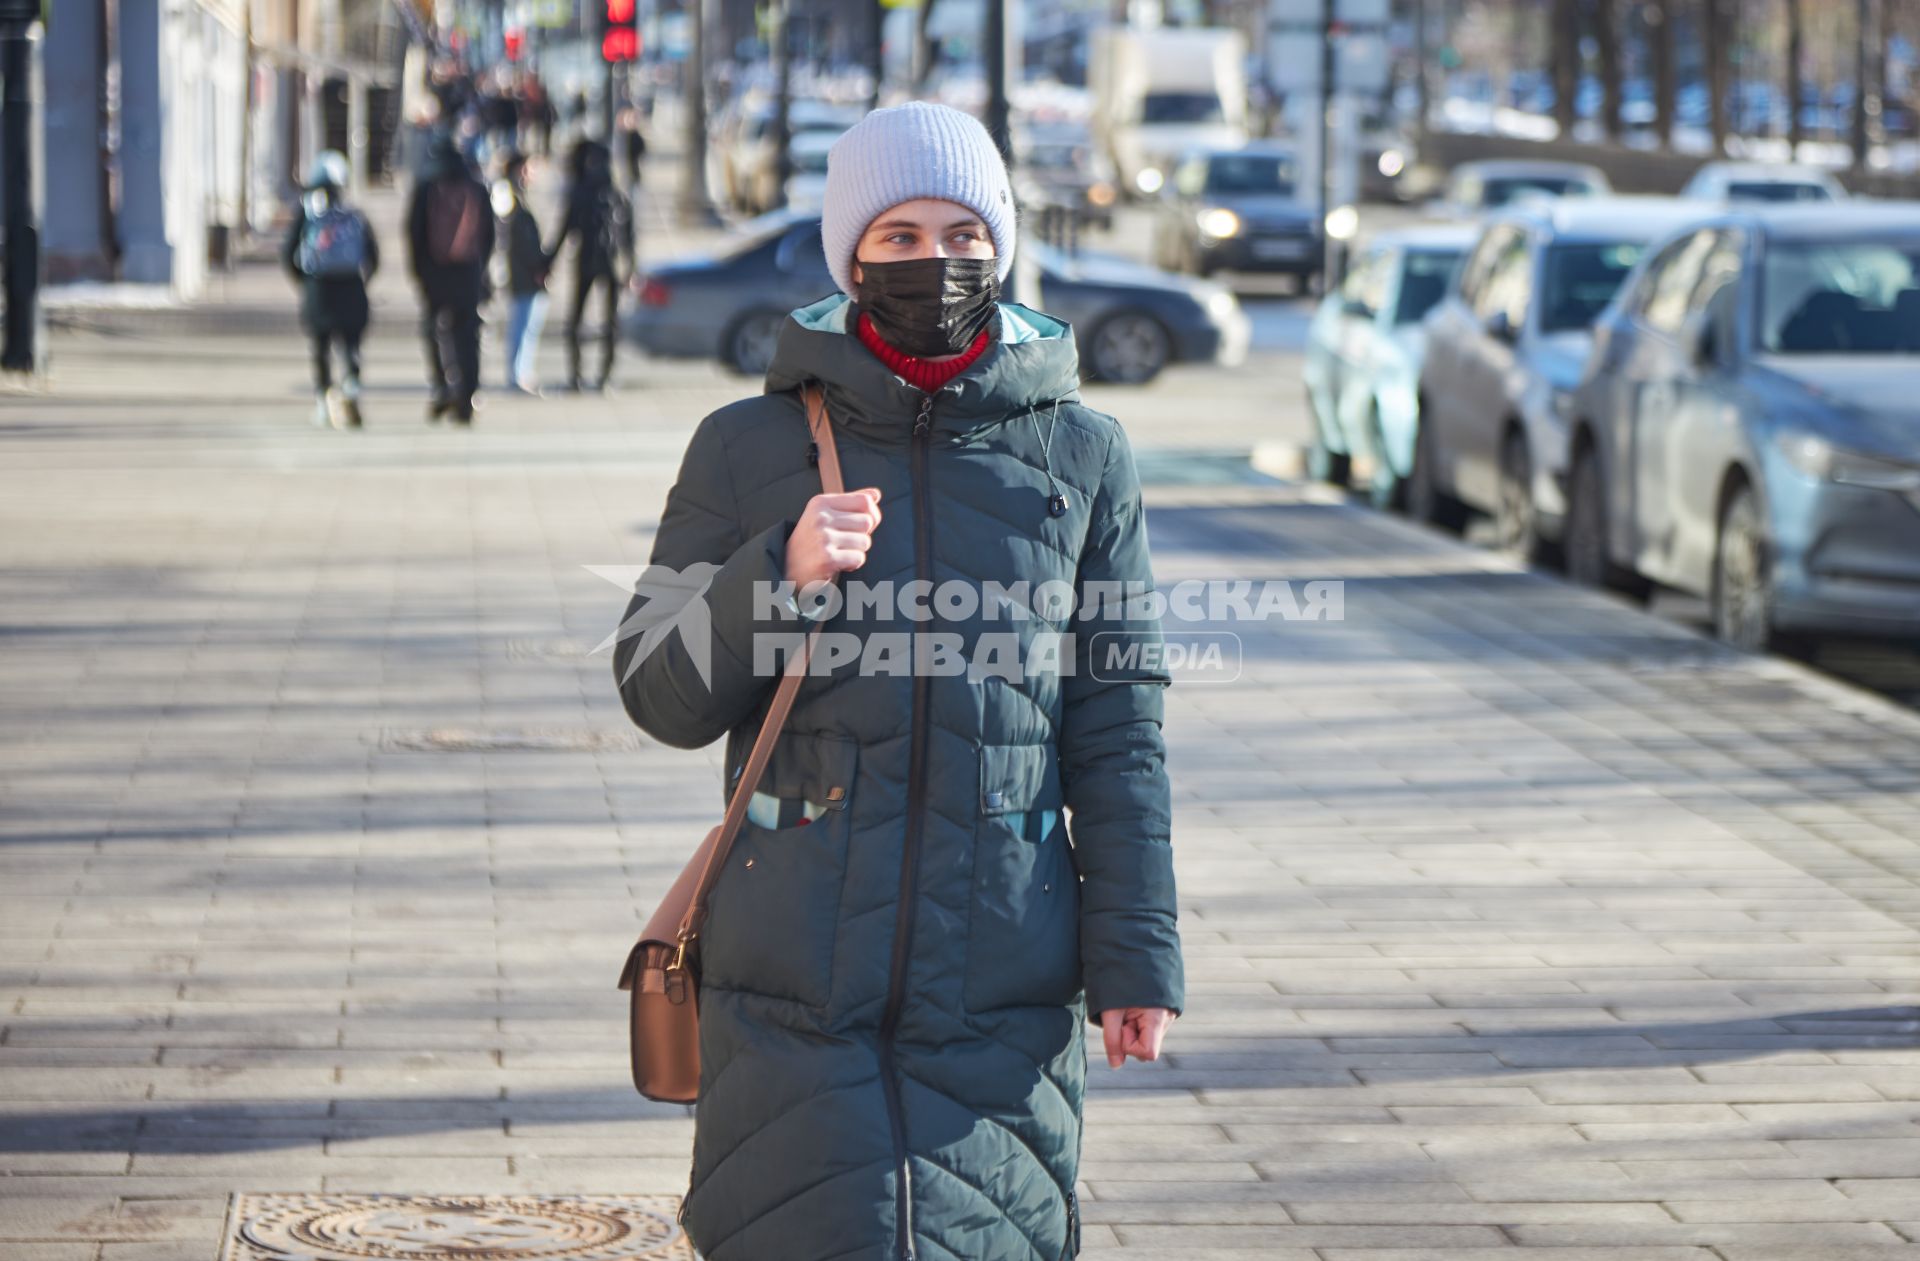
<point x="893" y="993"/>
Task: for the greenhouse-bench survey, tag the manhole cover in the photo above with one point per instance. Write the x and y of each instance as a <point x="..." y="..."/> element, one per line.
<point x="509" y="740"/>
<point x="306" y="1227"/>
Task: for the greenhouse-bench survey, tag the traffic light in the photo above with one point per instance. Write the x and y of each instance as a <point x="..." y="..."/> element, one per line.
<point x="516" y="42"/>
<point x="619" y="33"/>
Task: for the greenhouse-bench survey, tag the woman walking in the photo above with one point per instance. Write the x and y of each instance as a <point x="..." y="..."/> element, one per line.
<point x="908" y="935"/>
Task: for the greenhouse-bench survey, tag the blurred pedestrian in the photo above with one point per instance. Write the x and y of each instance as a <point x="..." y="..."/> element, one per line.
<point x="601" y="218"/>
<point x="526" y="278"/>
<point x="450" y="233"/>
<point x="633" y="147"/>
<point x="331" y="251"/>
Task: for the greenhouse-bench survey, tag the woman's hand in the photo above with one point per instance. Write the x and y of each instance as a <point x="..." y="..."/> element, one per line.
<point x="1134" y="1031"/>
<point x="833" y="536"/>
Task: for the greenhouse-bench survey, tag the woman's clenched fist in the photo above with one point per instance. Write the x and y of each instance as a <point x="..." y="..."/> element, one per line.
<point x="833" y="536"/>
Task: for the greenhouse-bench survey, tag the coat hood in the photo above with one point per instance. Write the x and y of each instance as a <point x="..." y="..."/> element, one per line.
<point x="1033" y="362"/>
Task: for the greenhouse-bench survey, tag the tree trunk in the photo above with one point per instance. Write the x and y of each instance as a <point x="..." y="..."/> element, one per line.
<point x="1796" y="39"/>
<point x="1606" y="38"/>
<point x="1865" y="93"/>
<point x="1713" y="25"/>
<point x="1661" y="33"/>
<point x="1422" y="80"/>
<point x="1565" y="40"/>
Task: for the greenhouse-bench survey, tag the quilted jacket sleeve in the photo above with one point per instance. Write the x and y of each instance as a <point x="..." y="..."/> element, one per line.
<point x="1113" y="764"/>
<point x="700" y="553"/>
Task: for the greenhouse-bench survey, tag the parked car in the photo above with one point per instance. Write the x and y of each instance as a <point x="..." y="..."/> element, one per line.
<point x="1130" y="321"/>
<point x="1059" y="166"/>
<point x="1748" y="428"/>
<point x="752" y="159"/>
<point x="1503" y="348"/>
<point x="1364" y="349"/>
<point x="1726" y="182"/>
<point x="1237" y="210"/>
<point x="1476" y="187"/>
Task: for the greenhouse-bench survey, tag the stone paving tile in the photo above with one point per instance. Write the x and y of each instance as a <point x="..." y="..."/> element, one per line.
<point x="1516" y="921"/>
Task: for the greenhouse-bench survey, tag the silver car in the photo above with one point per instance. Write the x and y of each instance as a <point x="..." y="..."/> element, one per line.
<point x="1505" y="346"/>
<point x="1748" y="428"/>
<point x="1729" y="182"/>
<point x="1364" y="349"/>
<point x="1475" y="187"/>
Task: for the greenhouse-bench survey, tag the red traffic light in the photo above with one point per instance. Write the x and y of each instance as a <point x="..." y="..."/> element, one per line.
<point x="620" y="44"/>
<point x="516" y="43"/>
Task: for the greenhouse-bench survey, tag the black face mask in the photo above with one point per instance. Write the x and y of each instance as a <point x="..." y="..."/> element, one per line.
<point x="930" y="307"/>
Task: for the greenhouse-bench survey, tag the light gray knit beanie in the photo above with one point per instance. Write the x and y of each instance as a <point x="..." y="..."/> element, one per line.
<point x="909" y="151"/>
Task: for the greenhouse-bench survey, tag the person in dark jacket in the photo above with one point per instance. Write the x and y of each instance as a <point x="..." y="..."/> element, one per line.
<point x="450" y="232"/>
<point x="526" y="278"/>
<point x="601" y="218"/>
<point x="960" y="854"/>
<point x="332" y="252"/>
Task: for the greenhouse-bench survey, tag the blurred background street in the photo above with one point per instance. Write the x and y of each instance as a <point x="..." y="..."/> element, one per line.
<point x="1563" y="895"/>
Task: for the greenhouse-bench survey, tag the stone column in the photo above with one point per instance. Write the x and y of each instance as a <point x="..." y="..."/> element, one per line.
<point x="146" y="255"/>
<point x="76" y="235"/>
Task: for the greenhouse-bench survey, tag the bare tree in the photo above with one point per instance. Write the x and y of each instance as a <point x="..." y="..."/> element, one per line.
<point x="1865" y="95"/>
<point x="1714" y="37"/>
<point x="1606" y="39"/>
<point x="1565" y="43"/>
<point x="1796" y="52"/>
<point x="1660" y="29"/>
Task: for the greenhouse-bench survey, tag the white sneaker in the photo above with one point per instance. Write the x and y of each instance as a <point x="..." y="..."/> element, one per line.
<point x="322" y="414"/>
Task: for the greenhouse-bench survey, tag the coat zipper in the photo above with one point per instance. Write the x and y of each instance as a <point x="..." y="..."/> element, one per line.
<point x="910" y="856"/>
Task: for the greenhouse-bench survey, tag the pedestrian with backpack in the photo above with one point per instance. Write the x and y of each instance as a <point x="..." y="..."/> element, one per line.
<point x="526" y="277"/>
<point x="331" y="251"/>
<point x="600" y="215"/>
<point x="450" y="231"/>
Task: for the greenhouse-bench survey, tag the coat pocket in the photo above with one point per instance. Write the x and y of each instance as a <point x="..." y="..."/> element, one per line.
<point x="1023" y="932"/>
<point x="774" y="914"/>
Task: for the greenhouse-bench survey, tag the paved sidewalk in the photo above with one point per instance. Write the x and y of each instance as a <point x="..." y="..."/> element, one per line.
<point x="1515" y="919"/>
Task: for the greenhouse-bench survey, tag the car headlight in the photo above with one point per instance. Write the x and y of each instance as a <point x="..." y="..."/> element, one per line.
<point x="1392" y="162"/>
<point x="1219" y="223"/>
<point x="1822" y="461"/>
<point x="1149" y="180"/>
<point x="1100" y="194"/>
<point x="1222" y="306"/>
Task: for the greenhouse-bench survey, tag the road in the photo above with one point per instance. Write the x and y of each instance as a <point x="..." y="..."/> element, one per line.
<point x="1516" y="920"/>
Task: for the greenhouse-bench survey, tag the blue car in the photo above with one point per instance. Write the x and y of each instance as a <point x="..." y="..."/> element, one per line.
<point x="1748" y="425"/>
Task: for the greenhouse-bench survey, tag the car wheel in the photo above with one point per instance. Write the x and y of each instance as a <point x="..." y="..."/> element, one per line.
<point x="1741" y="597"/>
<point x="1584" y="542"/>
<point x="1516" y="526"/>
<point x="1387" y="490"/>
<point x="748" y="345"/>
<point x="1425" y="500"/>
<point x="1129" y="349"/>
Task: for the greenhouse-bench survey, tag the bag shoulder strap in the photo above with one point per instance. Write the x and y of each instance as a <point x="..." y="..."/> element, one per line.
<point x="828" y="455"/>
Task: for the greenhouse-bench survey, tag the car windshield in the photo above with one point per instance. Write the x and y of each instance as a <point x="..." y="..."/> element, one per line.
<point x="1498" y="192"/>
<point x="1249" y="173"/>
<point x="1424" y="283"/>
<point x="1180" y="107"/>
<point x="1776" y="190"/>
<point x="1581" y="279"/>
<point x="1841" y="298"/>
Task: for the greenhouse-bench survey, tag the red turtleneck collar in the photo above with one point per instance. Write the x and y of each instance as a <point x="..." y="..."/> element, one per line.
<point x="920" y="373"/>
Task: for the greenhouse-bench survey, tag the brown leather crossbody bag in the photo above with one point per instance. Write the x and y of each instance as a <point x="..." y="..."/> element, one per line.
<point x="665" y="1002"/>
